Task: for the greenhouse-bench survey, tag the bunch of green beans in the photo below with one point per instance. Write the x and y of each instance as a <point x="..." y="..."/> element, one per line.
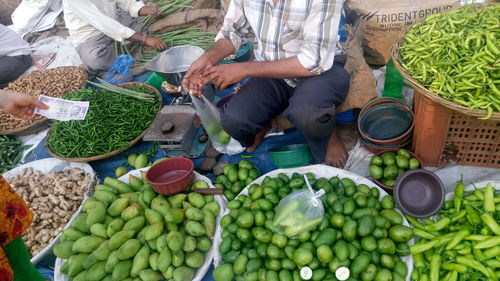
<point x="193" y="36"/>
<point x="11" y="152"/>
<point x="112" y="121"/>
<point x="464" y="244"/>
<point x="456" y="56"/>
<point x="167" y="7"/>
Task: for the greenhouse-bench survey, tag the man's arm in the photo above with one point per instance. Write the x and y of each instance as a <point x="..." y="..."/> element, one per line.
<point x="114" y="29"/>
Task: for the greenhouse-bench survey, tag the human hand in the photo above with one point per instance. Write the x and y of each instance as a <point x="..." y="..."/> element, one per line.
<point x="150" y="10"/>
<point x="156" y="43"/>
<point x="21" y="105"/>
<point x="193" y="80"/>
<point x="225" y="75"/>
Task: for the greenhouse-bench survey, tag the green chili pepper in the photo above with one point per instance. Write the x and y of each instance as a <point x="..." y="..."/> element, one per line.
<point x="457" y="198"/>
<point x="422" y="247"/>
<point x="472" y="215"/>
<point x="434" y="267"/>
<point x="457" y="239"/>
<point x="488" y="243"/>
<point x="489" y="194"/>
<point x="473" y="264"/>
<point x="423" y="234"/>
<point x="491" y="223"/>
<point x="442" y="223"/>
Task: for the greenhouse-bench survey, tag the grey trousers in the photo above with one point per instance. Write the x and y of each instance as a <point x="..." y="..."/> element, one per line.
<point x="98" y="53"/>
<point x="13" y="67"/>
<point x="310" y="106"/>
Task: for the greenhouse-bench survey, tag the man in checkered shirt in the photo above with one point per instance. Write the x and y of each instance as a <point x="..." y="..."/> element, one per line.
<point x="295" y="73"/>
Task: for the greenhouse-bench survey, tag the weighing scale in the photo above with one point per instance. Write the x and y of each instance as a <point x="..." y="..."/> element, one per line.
<point x="173" y="128"/>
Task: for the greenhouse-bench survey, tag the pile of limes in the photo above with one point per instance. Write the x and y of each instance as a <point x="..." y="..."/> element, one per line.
<point x="388" y="166"/>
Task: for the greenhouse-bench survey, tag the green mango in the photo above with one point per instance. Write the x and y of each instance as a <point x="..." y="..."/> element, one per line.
<point x="96" y="272"/>
<point x="122" y="270"/>
<point x="153" y="231"/>
<point x="119" y="238"/>
<point x="153" y="216"/>
<point x="131" y="211"/>
<point x="76" y="265"/>
<point x="160" y="204"/>
<point x="135" y="224"/>
<point x="164" y="260"/>
<point x="153" y="260"/>
<point x="194" y="259"/>
<point x="149" y="275"/>
<point x="87" y="244"/>
<point x="141" y="261"/>
<point x="175" y="241"/>
<point x="195" y="228"/>
<point x="98" y="229"/>
<point x="129" y="249"/>
<point x="183" y="273"/>
<point x="116" y="208"/>
<point x="102" y="252"/>
<point x="64" y="250"/>
<point x="176" y="200"/>
<point x="114" y="226"/>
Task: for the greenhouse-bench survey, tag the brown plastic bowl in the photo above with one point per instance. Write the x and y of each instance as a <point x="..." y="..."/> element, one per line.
<point x="419" y="193"/>
<point x="376" y="148"/>
<point x="380" y="113"/>
<point x="171" y="176"/>
<point x="388" y="188"/>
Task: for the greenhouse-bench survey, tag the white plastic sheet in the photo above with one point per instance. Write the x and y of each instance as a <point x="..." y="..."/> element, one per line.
<point x="200" y="273"/>
<point x="52" y="165"/>
<point x="318" y="171"/>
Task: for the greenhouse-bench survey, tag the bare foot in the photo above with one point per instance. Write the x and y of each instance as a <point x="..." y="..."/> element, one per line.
<point x="258" y="139"/>
<point x="336" y="155"/>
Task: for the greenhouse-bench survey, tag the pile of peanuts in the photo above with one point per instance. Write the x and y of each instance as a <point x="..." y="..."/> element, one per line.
<point x="51" y="82"/>
<point x="52" y="198"/>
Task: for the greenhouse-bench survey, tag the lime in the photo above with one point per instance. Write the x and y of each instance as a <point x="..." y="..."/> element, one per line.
<point x="376" y="172"/>
<point x="404" y="152"/>
<point x="376" y="160"/>
<point x="302" y="256"/>
<point x="388" y="158"/>
<point x="402" y="162"/>
<point x="391" y="172"/>
<point x="223" y="272"/>
<point x="414" y="163"/>
<point x="337" y="220"/>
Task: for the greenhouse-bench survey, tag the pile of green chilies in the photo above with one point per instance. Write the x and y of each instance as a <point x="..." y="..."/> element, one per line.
<point x="112" y="121"/>
<point x="11" y="152"/>
<point x="464" y="243"/>
<point x="193" y="36"/>
<point x="457" y="56"/>
<point x="167" y="7"/>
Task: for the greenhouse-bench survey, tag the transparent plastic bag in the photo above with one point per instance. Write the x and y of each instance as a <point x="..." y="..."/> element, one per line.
<point x="210" y="118"/>
<point x="299" y="212"/>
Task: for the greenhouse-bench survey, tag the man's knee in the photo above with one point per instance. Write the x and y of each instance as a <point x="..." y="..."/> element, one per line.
<point x="311" y="121"/>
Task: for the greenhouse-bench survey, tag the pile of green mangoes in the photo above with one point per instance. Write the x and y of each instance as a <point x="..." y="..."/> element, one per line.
<point x="358" y="231"/>
<point x="128" y="231"/>
<point x="236" y="177"/>
<point x="136" y="162"/>
<point x="388" y="166"/>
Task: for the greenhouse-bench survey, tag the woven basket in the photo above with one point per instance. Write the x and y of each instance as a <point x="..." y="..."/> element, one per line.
<point x="116" y="151"/>
<point x="43" y="123"/>
<point x="429" y="94"/>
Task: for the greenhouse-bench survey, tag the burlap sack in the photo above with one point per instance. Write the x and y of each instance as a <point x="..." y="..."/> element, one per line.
<point x="362" y="87"/>
<point x="382" y="21"/>
<point x="7" y="7"/>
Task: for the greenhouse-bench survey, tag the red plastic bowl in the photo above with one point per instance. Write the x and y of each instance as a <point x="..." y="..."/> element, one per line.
<point x="171" y="176"/>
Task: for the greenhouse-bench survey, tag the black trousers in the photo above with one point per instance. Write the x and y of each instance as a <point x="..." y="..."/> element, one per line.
<point x="13" y="67"/>
<point x="310" y="106"/>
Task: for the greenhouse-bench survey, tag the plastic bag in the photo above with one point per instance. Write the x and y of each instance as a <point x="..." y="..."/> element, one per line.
<point x="210" y="118"/>
<point x="299" y="212"/>
<point x="120" y="71"/>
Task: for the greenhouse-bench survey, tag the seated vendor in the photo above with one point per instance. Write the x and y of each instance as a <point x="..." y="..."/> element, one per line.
<point x="15" y="56"/>
<point x="296" y="72"/>
<point x="95" y="25"/>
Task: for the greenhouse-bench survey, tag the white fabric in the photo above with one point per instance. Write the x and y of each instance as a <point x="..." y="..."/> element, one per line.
<point x="12" y="44"/>
<point x="84" y="20"/>
<point x="35" y="15"/>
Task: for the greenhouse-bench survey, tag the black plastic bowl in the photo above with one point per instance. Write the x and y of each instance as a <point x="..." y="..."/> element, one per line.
<point x="419" y="193"/>
<point x="386" y="121"/>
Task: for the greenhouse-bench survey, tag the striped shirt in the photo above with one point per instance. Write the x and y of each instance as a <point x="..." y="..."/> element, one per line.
<point x="304" y="28"/>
